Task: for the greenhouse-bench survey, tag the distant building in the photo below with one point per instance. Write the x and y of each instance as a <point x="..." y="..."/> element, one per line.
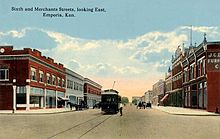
<point x="148" y="96"/>
<point x="92" y="92"/>
<point x="168" y="87"/>
<point x="175" y="95"/>
<point x="74" y="86"/>
<point x="137" y="98"/>
<point x="158" y="92"/>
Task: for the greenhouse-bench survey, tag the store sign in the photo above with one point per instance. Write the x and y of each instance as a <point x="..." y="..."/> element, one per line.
<point x="213" y="63"/>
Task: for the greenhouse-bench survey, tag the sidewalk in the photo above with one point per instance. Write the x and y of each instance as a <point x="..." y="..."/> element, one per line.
<point x="38" y="111"/>
<point x="184" y="111"/>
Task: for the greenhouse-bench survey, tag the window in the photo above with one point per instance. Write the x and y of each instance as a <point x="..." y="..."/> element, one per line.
<point x="53" y="80"/>
<point x="80" y="87"/>
<point x="33" y="74"/>
<point x="59" y="81"/>
<point x="69" y="84"/>
<point x="48" y="78"/>
<point x="21" y="89"/>
<point x="63" y="83"/>
<point x="41" y="75"/>
<point x="4" y="75"/>
<point x="198" y="68"/>
<point x="203" y="67"/>
<point x="192" y="72"/>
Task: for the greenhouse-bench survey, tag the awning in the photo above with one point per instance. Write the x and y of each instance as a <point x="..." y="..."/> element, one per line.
<point x="63" y="98"/>
<point x="164" y="97"/>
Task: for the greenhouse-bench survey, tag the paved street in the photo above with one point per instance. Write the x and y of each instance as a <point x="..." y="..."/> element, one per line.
<point x="92" y="124"/>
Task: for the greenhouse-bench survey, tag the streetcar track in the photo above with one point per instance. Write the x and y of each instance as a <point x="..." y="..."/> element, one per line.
<point x="75" y="126"/>
<point x="94" y="127"/>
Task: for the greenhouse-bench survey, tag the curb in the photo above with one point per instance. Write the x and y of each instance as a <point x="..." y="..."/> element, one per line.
<point x="40" y="113"/>
<point x="188" y="114"/>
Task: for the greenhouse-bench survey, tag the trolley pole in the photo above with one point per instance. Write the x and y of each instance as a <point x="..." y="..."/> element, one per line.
<point x="113" y="85"/>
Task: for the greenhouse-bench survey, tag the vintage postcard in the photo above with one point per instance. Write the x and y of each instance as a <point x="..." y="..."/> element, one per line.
<point x="109" y="69"/>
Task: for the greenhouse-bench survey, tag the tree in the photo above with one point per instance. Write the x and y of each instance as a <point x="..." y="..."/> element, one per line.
<point x="134" y="101"/>
<point x="124" y="100"/>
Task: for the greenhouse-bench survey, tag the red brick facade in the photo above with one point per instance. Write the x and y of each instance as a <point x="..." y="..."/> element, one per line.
<point x="18" y="64"/>
<point x="213" y="76"/>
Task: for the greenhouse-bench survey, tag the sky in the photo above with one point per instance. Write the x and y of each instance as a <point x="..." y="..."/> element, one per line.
<point x="126" y="41"/>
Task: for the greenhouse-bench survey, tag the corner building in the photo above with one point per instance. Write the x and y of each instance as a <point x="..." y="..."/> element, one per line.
<point x="201" y="77"/>
<point x="29" y="80"/>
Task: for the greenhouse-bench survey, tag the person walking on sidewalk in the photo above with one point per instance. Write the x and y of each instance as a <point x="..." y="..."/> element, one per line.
<point x="121" y="107"/>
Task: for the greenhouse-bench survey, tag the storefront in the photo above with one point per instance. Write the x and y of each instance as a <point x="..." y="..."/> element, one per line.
<point x="50" y="99"/>
<point x="36" y="97"/>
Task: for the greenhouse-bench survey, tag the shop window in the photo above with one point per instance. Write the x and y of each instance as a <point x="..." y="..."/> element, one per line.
<point x="205" y="95"/>
<point x="200" y="95"/>
<point x="4" y="74"/>
<point x="21" y="95"/>
<point x="194" y="95"/>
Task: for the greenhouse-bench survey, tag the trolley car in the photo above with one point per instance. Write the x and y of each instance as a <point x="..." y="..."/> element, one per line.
<point x="110" y="101"/>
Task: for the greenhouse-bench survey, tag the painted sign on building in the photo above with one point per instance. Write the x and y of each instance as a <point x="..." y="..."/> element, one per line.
<point x="213" y="61"/>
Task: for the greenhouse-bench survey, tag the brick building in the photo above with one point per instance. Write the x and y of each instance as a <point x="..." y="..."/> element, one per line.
<point x="29" y="80"/>
<point x="201" y="77"/>
<point x="175" y="95"/>
<point x="92" y="92"/>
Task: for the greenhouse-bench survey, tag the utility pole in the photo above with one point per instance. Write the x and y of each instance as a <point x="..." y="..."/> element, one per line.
<point x="191" y="35"/>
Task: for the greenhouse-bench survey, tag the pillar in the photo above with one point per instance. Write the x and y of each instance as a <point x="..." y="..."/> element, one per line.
<point x="14" y="98"/>
<point x="45" y="98"/>
<point x="28" y="97"/>
<point x="56" y="99"/>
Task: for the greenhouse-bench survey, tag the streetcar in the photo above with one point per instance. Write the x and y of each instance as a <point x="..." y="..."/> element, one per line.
<point x="110" y="101"/>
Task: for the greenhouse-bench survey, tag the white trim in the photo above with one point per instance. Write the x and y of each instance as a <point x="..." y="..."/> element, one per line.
<point x="201" y="59"/>
<point x="192" y="64"/>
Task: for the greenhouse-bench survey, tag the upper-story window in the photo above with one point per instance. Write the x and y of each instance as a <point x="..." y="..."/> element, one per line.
<point x="48" y="78"/>
<point x="63" y="83"/>
<point x="41" y="76"/>
<point x="33" y="74"/>
<point x="192" y="72"/>
<point x="69" y="84"/>
<point x="4" y="74"/>
<point x="53" y="80"/>
<point x="203" y="66"/>
<point x="59" y="81"/>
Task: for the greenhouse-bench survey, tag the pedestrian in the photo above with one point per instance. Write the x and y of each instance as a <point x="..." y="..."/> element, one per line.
<point x="121" y="107"/>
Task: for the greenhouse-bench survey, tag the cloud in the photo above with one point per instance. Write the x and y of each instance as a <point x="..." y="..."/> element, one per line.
<point x="73" y="64"/>
<point x="106" y="70"/>
<point x="66" y="42"/>
<point x="136" y="56"/>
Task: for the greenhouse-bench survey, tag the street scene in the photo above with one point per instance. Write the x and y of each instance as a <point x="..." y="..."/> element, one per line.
<point x="78" y="69"/>
<point x="93" y="124"/>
